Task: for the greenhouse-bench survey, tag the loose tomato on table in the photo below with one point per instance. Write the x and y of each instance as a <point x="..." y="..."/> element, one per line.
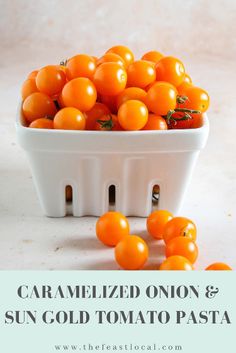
<point x="110" y="78"/>
<point x="129" y="94"/>
<point x="155" y="122"/>
<point x="50" y="80"/>
<point x="97" y="111"/>
<point x="38" y="105"/>
<point x="69" y="119"/>
<point x="111" y="228"/>
<point x="124" y="52"/>
<point x="141" y="73"/>
<point x="156" y="222"/>
<point x="219" y="266"/>
<point x="176" y="263"/>
<point x="153" y="56"/>
<point x="182" y="246"/>
<point x="80" y="65"/>
<point x="42" y="123"/>
<point x="161" y="97"/>
<point x="179" y="227"/>
<point x="79" y="93"/>
<point x="131" y="253"/>
<point x="133" y="115"/>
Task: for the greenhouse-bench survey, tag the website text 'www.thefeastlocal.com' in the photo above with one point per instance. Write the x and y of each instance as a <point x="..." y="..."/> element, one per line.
<point x="132" y="347"/>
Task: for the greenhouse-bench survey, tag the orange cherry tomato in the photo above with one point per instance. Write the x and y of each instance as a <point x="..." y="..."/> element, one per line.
<point x="79" y="93"/>
<point x="111" y="57"/>
<point x="219" y="266"/>
<point x="110" y="78"/>
<point x="155" y="122"/>
<point x="197" y="121"/>
<point x="132" y="115"/>
<point x="131" y="253"/>
<point x="94" y="114"/>
<point x="129" y="94"/>
<point x="161" y="97"/>
<point x="153" y="56"/>
<point x="141" y="73"/>
<point x="179" y="227"/>
<point x="42" y="123"/>
<point x="111" y="228"/>
<point x="60" y="101"/>
<point x="198" y="99"/>
<point x="33" y="74"/>
<point x="124" y="52"/>
<point x="110" y="102"/>
<point x="38" y="105"/>
<point x="50" y="80"/>
<point x="69" y="119"/>
<point x="184" y="87"/>
<point x="108" y="122"/>
<point x="187" y="78"/>
<point x="81" y="65"/>
<point x="156" y="222"/>
<point x="182" y="246"/>
<point x="176" y="263"/>
<point x="28" y="87"/>
<point x="171" y="70"/>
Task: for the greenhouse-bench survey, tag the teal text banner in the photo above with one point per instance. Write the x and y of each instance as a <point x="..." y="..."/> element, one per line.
<point x="117" y="311"/>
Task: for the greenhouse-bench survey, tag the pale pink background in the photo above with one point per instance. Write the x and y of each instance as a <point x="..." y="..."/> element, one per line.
<point x="200" y="32"/>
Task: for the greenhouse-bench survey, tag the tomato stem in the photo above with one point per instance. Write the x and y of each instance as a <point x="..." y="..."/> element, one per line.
<point x="181" y="99"/>
<point x="106" y="124"/>
<point x="63" y="62"/>
<point x="186" y="116"/>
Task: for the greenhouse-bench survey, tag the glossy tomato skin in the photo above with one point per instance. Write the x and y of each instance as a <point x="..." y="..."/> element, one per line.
<point x="81" y="65"/>
<point x="182" y="246"/>
<point x="124" y="52"/>
<point x="131" y="253"/>
<point x="42" y="123"/>
<point x="132" y="115"/>
<point x="110" y="78"/>
<point x="129" y="94"/>
<point x="184" y="87"/>
<point x="156" y="222"/>
<point x="155" y="122"/>
<point x="110" y="102"/>
<point x="111" y="57"/>
<point x="50" y="80"/>
<point x="153" y="56"/>
<point x="38" y="105"/>
<point x="219" y="266"/>
<point x="141" y="73"/>
<point x="79" y="93"/>
<point x="69" y="119"/>
<point x="170" y="69"/>
<point x="33" y="74"/>
<point x="176" y="263"/>
<point x="177" y="123"/>
<point x="161" y="97"/>
<point x="111" y="228"/>
<point x="179" y="227"/>
<point x="197" y="121"/>
<point x="187" y="78"/>
<point x="198" y="99"/>
<point x="98" y="110"/>
<point x="28" y="87"/>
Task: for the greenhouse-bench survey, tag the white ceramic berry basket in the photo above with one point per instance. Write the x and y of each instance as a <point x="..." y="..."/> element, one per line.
<point x="90" y="162"/>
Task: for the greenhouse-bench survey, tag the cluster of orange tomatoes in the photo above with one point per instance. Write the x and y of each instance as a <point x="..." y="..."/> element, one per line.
<point x="131" y="251"/>
<point x="113" y="92"/>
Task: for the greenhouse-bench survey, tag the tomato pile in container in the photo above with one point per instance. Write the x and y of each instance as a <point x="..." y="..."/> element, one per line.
<point x="114" y="92"/>
<point x="92" y="125"/>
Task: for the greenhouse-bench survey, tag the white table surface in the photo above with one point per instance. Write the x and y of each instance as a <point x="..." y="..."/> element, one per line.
<point x="28" y="240"/>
